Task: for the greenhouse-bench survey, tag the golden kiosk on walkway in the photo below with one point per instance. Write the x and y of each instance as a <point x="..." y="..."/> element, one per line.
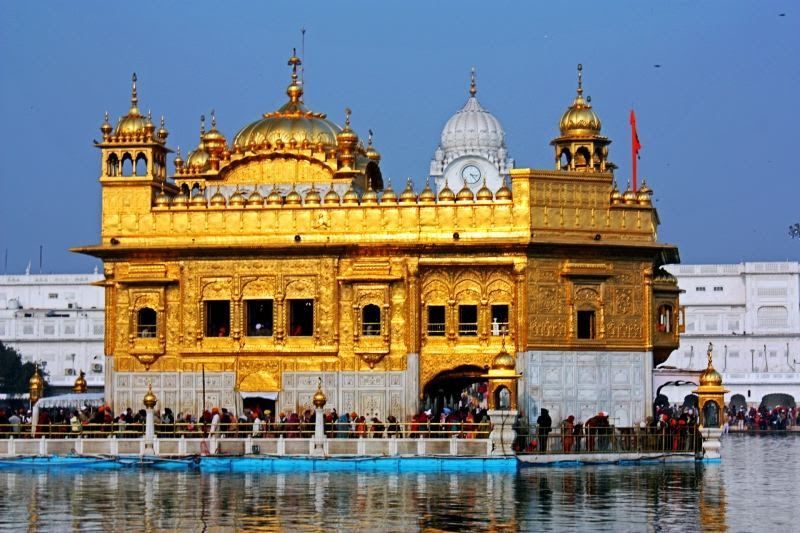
<point x="711" y="395"/>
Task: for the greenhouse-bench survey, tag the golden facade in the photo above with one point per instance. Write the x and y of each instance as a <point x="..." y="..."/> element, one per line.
<point x="295" y="209"/>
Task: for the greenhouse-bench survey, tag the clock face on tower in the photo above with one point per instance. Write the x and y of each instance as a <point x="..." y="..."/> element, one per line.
<point x="471" y="174"/>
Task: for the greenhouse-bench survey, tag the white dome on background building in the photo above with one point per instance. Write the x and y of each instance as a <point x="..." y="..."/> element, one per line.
<point x="472" y="148"/>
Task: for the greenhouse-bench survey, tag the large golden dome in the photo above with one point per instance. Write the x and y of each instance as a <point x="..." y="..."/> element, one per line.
<point x="293" y="121"/>
<point x="580" y="119"/>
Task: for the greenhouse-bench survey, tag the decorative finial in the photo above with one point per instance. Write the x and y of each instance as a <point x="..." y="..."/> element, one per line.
<point x="134" y="96"/>
<point x="708" y="353"/>
<point x="347" y="113"/>
<point x="162" y="121"/>
<point x="369" y="138"/>
<point x="105" y="116"/>
<point x="178" y="151"/>
<point x="294" y="61"/>
<point x="213" y="119"/>
<point x="149" y="115"/>
<point x="580" y="79"/>
<point x="202" y="125"/>
<point x="473" y="90"/>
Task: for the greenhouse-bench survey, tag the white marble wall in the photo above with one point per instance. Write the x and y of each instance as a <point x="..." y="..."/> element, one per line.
<point x="383" y="393"/>
<point x="181" y="392"/>
<point x="583" y="383"/>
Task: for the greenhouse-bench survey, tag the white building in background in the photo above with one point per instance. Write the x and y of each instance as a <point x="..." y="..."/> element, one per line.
<point x="56" y="320"/>
<point x="751" y="313"/>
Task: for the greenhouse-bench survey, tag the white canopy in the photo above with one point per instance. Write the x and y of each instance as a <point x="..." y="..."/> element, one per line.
<point x="264" y="395"/>
<point x="74" y="400"/>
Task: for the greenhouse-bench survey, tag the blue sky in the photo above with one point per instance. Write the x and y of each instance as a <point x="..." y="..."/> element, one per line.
<point x="718" y="120"/>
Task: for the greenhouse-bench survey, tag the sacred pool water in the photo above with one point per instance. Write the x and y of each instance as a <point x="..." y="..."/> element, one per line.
<point x="751" y="490"/>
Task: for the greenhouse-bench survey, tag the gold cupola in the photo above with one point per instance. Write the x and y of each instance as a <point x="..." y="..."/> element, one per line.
<point x="616" y="196"/>
<point x="293" y="198"/>
<point x="199" y="199"/>
<point x="313" y="197"/>
<point x="132" y="126"/>
<point x="237" y="198"/>
<point x="255" y="199"/>
<point x="389" y="196"/>
<point x="292" y="121"/>
<point x="503" y="193"/>
<point x="197" y="162"/>
<point x="274" y="197"/>
<point x="372" y="153"/>
<point x="484" y="193"/>
<point x="218" y="199"/>
<point x="106" y="128"/>
<point x="162" y="200"/>
<point x="319" y="398"/>
<point x="408" y="196"/>
<point x="629" y="196"/>
<point x="331" y="197"/>
<point x="465" y="194"/>
<point x="80" y="383"/>
<point x="644" y="195"/>
<point x="35" y="385"/>
<point x="581" y="147"/>
<point x="350" y="197"/>
<point x="427" y="196"/>
<point x="162" y="130"/>
<point x="214" y="143"/>
<point x="181" y="199"/>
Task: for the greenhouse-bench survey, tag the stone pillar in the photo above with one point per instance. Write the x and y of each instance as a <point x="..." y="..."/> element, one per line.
<point x="711" y="443"/>
<point x="150" y="427"/>
<point x="318" y="442"/>
<point x="503" y="434"/>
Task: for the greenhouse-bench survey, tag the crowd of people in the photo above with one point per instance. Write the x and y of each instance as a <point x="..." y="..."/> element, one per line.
<point x="763" y="419"/>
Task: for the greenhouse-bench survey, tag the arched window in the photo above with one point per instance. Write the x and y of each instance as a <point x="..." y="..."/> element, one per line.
<point x="664" y="319"/>
<point x="140" y="167"/>
<point x="185" y="189"/>
<point x="112" y="165"/>
<point x="127" y="165"/>
<point x="565" y="157"/>
<point x="502" y="398"/>
<point x="586" y="324"/>
<point x="582" y="158"/>
<point x="146" y="323"/>
<point x="370" y="320"/>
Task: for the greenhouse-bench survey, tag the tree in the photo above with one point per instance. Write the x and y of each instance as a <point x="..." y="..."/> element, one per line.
<point x="14" y="374"/>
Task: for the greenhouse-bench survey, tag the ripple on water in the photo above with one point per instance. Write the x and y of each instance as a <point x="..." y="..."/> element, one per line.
<point x="752" y="487"/>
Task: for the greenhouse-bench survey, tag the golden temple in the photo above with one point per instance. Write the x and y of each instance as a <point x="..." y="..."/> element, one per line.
<point x="262" y="264"/>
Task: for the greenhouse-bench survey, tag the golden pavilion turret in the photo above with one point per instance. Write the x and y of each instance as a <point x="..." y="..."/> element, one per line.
<point x="273" y="256"/>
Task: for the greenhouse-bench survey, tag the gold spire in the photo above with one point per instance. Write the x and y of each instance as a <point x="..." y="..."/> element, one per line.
<point x="134" y="95"/>
<point x="580" y="79"/>
<point x="295" y="89"/>
<point x="319" y="397"/>
<point x="473" y="90"/>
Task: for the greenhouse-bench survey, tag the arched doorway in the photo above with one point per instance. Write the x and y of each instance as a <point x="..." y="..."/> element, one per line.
<point x="460" y="388"/>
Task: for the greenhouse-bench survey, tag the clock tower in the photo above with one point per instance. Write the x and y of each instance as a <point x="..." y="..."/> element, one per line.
<point x="472" y="149"/>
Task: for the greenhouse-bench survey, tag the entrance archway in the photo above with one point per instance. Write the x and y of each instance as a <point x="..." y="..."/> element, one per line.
<point x="445" y="390"/>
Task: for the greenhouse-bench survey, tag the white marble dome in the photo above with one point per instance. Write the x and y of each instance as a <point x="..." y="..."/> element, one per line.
<point x="471" y="128"/>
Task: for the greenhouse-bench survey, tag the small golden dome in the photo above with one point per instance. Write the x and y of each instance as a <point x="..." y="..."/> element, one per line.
<point x="313" y="197"/>
<point x="213" y="141"/>
<point x="149" y="126"/>
<point x="629" y="197"/>
<point x="319" y="398"/>
<point x="503" y="360"/>
<point x="218" y="200"/>
<point x="162" y="200"/>
<point x="180" y="200"/>
<point x="274" y="197"/>
<point x="388" y="196"/>
<point x="80" y="384"/>
<point x="236" y="199"/>
<point x="198" y="160"/>
<point x="408" y="196"/>
<point x="616" y="196"/>
<point x="485" y="193"/>
<point x="133" y="124"/>
<point x="347" y="137"/>
<point x="106" y="127"/>
<point x="331" y="197"/>
<point x="579" y="119"/>
<point x="255" y="199"/>
<point x="465" y="194"/>
<point x="710" y="377"/>
<point x="447" y="194"/>
<point x="350" y="197"/>
<point x="370" y="196"/>
<point x="372" y="153"/>
<point x="35" y="385"/>
<point x="178" y="161"/>
<point x="293" y="198"/>
<point x="149" y="399"/>
<point x="162" y="130"/>
<point x="199" y="199"/>
<point x="427" y="196"/>
<point x="503" y="193"/>
<point x="644" y="195"/>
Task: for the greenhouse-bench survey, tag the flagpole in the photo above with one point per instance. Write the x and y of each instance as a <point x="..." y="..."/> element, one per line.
<point x="635" y="147"/>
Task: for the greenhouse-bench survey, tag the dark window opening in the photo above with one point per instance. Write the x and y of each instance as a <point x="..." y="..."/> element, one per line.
<point x="259" y="318"/>
<point x="436" y="323"/>
<point x="218" y="318"/>
<point x="499" y="320"/>
<point x="146" y="323"/>
<point x="371" y="320"/>
<point x="468" y="320"/>
<point x="301" y="318"/>
<point x="586" y="329"/>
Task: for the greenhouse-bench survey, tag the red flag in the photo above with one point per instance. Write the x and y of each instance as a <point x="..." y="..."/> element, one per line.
<point x="635" y="146"/>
